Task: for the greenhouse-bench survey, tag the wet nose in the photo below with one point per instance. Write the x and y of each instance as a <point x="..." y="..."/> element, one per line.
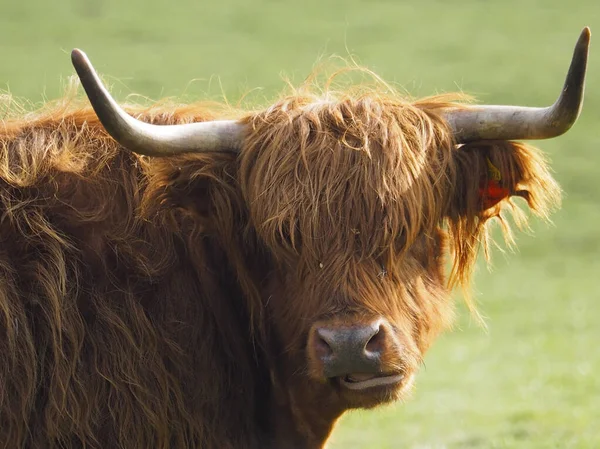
<point x="350" y="349"/>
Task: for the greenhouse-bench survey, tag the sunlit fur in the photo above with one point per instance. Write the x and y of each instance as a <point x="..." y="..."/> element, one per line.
<point x="166" y="302"/>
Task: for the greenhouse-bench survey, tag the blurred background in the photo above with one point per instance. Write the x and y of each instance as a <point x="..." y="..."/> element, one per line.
<point x="529" y="381"/>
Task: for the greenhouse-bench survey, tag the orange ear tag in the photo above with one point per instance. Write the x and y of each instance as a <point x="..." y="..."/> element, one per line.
<point x="492" y="192"/>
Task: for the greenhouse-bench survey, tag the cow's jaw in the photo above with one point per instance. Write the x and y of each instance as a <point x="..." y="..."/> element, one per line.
<point x="304" y="411"/>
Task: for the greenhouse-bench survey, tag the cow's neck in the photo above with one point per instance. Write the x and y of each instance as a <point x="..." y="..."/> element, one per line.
<point x="301" y="421"/>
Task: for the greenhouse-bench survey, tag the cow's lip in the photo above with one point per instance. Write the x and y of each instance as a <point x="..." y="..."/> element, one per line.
<point x="364" y="381"/>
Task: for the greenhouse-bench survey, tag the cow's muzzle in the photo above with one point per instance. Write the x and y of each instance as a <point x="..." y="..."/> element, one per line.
<point x="355" y="354"/>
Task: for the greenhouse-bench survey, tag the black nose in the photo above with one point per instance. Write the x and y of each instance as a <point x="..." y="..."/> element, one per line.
<point x="345" y="350"/>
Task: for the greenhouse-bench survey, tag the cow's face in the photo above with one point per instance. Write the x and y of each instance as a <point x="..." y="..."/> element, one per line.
<point x="347" y="198"/>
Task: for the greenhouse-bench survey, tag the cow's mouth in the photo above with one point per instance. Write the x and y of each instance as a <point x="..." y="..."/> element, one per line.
<point x="364" y="381"/>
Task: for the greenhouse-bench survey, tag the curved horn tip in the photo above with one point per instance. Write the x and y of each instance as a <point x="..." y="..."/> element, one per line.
<point x="586" y="34"/>
<point x="78" y="56"/>
<point x="583" y="43"/>
<point x="82" y="64"/>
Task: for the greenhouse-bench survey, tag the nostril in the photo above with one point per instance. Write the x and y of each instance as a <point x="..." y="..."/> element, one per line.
<point x="376" y="342"/>
<point x="322" y="348"/>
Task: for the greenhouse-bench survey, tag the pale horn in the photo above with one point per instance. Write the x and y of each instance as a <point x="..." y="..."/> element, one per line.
<point x="154" y="140"/>
<point x="517" y="122"/>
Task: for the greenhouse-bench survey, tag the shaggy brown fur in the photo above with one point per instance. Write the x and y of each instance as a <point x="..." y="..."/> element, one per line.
<point x="162" y="303"/>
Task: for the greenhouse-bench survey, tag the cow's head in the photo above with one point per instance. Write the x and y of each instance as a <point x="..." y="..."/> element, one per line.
<point x="358" y="199"/>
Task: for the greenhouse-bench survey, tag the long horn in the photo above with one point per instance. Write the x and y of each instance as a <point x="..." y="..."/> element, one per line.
<point x="148" y="139"/>
<point x="517" y="122"/>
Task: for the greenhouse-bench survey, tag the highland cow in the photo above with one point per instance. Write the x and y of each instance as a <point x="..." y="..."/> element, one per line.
<point x="176" y="277"/>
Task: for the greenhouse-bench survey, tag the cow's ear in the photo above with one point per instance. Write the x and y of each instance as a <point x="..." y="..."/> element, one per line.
<point x="488" y="174"/>
<point x="190" y="191"/>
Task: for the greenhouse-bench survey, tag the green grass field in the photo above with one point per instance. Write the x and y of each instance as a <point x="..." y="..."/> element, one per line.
<point x="531" y="380"/>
